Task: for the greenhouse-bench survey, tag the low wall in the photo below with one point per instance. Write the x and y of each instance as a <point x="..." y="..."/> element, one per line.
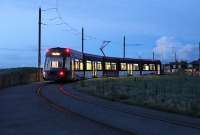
<point x="17" y="76"/>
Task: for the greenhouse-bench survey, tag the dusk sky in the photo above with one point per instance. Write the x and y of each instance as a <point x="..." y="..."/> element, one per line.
<point x="163" y="26"/>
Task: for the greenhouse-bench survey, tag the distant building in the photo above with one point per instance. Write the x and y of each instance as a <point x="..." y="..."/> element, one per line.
<point x="194" y="67"/>
<point x="190" y="68"/>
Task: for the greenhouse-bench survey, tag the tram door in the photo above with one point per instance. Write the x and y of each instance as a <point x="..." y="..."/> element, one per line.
<point x="130" y="69"/>
<point x="94" y="69"/>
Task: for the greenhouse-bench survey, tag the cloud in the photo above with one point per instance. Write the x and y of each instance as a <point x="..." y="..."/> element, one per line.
<point x="166" y="47"/>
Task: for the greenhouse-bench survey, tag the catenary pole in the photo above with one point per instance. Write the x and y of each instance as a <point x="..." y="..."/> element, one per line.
<point x="39" y="44"/>
<point x="124" y="47"/>
<point x="153" y="56"/>
<point x="199" y="58"/>
<point x="84" y="62"/>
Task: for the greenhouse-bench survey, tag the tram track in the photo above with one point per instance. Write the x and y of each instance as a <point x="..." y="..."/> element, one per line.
<point x="62" y="109"/>
<point x="142" y="115"/>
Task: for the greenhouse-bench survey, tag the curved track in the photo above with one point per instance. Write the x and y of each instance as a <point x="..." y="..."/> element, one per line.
<point x="60" y="108"/>
<point x="143" y="115"/>
<point x="74" y="96"/>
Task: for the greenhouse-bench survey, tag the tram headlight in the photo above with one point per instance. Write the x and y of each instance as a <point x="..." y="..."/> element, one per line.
<point x="55" y="53"/>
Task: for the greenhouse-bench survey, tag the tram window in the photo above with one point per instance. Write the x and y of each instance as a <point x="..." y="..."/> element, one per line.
<point x="113" y="66"/>
<point x="47" y="63"/>
<point x="135" y="67"/>
<point x="76" y="64"/>
<point x="81" y="65"/>
<point x="158" y="67"/>
<point x="99" y="66"/>
<point x="53" y="62"/>
<point x="152" y="66"/>
<point x="123" y="66"/>
<point x="146" y="67"/>
<point x="89" y="65"/>
<point x="107" y="66"/>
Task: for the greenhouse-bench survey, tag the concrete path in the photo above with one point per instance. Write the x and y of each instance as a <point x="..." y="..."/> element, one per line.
<point x="132" y="119"/>
<point x="23" y="112"/>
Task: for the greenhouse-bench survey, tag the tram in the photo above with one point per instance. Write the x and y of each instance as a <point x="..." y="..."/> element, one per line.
<point x="68" y="64"/>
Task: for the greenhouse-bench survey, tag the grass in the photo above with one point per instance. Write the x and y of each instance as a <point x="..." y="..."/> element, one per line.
<point x="174" y="93"/>
<point x="17" y="76"/>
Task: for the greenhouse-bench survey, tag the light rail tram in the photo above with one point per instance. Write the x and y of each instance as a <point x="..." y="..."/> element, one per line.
<point x="67" y="64"/>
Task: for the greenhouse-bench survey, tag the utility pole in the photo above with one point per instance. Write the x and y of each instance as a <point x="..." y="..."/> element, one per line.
<point x="153" y="56"/>
<point x="83" y="55"/>
<point x="175" y="57"/>
<point x="199" y="58"/>
<point x="39" y="43"/>
<point x="124" y="47"/>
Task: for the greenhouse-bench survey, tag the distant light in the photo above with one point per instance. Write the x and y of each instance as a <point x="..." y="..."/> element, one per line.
<point x="55" y="53"/>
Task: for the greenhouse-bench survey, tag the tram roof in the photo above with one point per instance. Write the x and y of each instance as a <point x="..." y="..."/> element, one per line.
<point x="106" y="58"/>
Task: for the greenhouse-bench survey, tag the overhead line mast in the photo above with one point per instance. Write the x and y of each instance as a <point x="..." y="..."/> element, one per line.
<point x="39" y="44"/>
<point x="83" y="55"/>
<point x="199" y="58"/>
<point x="124" y="47"/>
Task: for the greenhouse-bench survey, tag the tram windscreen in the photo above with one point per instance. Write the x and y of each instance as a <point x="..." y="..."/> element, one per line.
<point x="53" y="62"/>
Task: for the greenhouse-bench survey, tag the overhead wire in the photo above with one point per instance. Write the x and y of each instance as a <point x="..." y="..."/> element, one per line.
<point x="70" y="28"/>
<point x="75" y="31"/>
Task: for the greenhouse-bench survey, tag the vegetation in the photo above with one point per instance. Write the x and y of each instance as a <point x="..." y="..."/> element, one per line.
<point x="16" y="76"/>
<point x="175" y="93"/>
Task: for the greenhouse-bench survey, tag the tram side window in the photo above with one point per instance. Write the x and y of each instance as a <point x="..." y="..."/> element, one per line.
<point x="145" y="67"/>
<point x="135" y="67"/>
<point x="123" y="66"/>
<point x="152" y="67"/>
<point x="110" y="66"/>
<point x="88" y="65"/>
<point x="158" y="67"/>
<point x="76" y="64"/>
<point x="107" y="66"/>
<point x="99" y="66"/>
<point x="81" y="65"/>
<point x="113" y="66"/>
